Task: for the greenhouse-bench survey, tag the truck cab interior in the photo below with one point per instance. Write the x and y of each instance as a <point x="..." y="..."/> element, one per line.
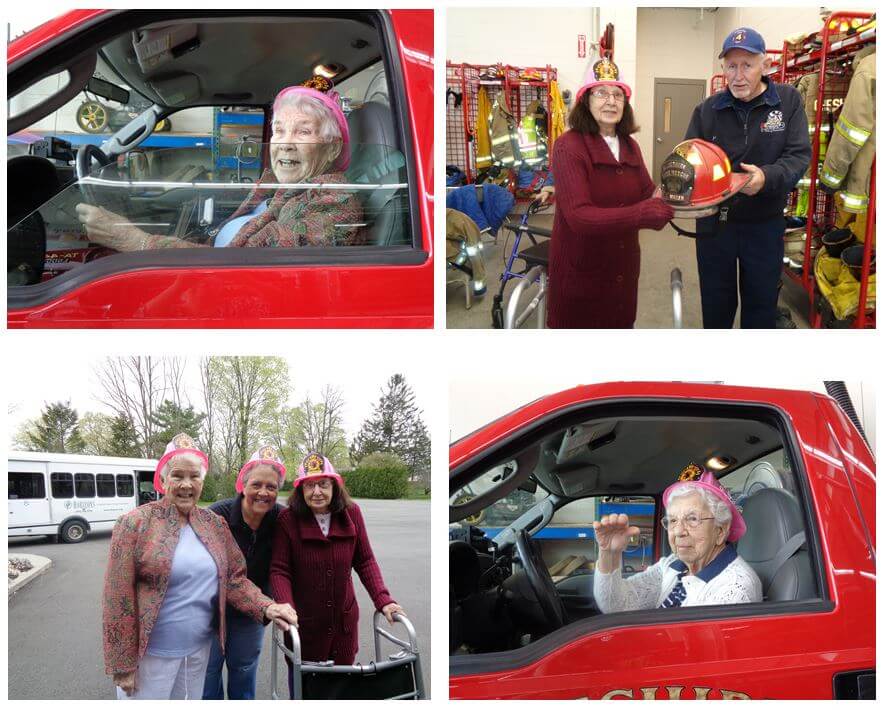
<point x="518" y="514"/>
<point x="191" y="70"/>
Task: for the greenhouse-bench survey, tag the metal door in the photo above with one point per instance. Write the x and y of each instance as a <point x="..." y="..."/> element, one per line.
<point x="675" y="100"/>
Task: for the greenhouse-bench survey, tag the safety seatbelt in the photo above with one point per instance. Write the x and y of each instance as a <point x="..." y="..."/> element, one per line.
<point x="789" y="548"/>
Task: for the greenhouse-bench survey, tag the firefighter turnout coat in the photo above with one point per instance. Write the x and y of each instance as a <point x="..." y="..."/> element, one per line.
<point x="852" y="147"/>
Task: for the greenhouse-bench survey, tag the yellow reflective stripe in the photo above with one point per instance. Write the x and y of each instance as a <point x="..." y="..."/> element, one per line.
<point x="804" y="183"/>
<point x="831" y="179"/>
<point x="823" y="129"/>
<point x="854" y="203"/>
<point x="856" y="135"/>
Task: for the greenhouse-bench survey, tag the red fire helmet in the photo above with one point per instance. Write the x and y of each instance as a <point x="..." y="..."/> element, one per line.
<point x="696" y="178"/>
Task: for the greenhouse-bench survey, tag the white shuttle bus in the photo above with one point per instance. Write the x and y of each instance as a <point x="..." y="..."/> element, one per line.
<point x="69" y="495"/>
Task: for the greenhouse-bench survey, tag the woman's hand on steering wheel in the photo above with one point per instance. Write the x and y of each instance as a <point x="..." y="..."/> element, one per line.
<point x="109" y="229"/>
<point x="613" y="532"/>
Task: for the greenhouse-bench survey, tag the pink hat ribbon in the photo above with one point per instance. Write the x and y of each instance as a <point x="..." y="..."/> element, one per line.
<point x="316" y="466"/>
<point x="180" y="444"/>
<point x="320" y="89"/>
<point x="266" y="455"/>
<point x="694" y="475"/>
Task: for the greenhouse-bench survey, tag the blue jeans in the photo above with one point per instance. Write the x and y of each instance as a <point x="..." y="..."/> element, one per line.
<point x="243" y="649"/>
<point x="741" y="258"/>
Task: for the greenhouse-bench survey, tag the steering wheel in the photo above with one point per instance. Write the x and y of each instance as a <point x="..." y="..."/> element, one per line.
<point x="85" y="155"/>
<point x="540" y="581"/>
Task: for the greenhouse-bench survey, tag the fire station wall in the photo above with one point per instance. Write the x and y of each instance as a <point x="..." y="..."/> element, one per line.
<point x="656" y="30"/>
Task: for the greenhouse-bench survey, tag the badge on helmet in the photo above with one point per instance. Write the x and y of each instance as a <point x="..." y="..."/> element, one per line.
<point x="696" y="179"/>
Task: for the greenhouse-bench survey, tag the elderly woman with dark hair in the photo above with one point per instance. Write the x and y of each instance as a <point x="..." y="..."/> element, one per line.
<point x="321" y="538"/>
<point x="252" y="518"/>
<point x="172" y="570"/>
<point x="701" y="523"/>
<point x="294" y="204"/>
<point x="604" y="196"/>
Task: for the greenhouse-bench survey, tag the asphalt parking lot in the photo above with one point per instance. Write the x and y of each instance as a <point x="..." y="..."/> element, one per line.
<point x="55" y="645"/>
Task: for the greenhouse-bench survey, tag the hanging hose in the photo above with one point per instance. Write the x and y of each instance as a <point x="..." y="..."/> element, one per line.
<point x="839" y="392"/>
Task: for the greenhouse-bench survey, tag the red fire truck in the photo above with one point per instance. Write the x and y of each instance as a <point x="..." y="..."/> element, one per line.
<point x="526" y="488"/>
<point x="190" y="67"/>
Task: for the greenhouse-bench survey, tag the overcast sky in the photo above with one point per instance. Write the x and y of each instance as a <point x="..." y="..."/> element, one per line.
<point x="50" y="376"/>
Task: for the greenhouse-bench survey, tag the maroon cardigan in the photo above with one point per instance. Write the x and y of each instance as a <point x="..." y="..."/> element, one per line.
<point x="312" y="572"/>
<point x="594" y="249"/>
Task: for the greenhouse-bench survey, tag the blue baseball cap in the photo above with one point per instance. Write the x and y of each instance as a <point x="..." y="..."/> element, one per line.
<point x="743" y="38"/>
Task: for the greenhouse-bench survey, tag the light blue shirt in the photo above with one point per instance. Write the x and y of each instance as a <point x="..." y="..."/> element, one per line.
<point x="184" y="624"/>
<point x="229" y="230"/>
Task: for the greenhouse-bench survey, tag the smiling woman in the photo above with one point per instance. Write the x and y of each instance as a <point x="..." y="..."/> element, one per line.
<point x="172" y="569"/>
<point x="251" y="517"/>
<point x="309" y="147"/>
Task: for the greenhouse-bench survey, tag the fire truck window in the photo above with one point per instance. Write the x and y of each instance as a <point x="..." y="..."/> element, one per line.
<point x="106" y="487"/>
<point x="26" y="486"/>
<point x="182" y="185"/>
<point x="62" y="485"/>
<point x="84" y="484"/>
<point x="125" y="488"/>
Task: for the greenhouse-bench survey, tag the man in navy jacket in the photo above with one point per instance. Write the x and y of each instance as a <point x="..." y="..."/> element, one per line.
<point x="762" y="128"/>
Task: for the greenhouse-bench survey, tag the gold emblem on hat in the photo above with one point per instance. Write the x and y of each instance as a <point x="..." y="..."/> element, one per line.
<point x="605" y="70"/>
<point x="739" y="36"/>
<point x="267" y="452"/>
<point x="692" y="472"/>
<point x="182" y="441"/>
<point x="313" y="464"/>
<point x="319" y="83"/>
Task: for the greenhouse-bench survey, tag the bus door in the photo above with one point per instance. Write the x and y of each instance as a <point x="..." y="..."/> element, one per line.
<point x="146" y="490"/>
<point x="28" y="495"/>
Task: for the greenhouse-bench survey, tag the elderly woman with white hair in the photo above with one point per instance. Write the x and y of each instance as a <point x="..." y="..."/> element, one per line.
<point x="172" y="570"/>
<point x="252" y="519"/>
<point x="296" y="202"/>
<point x="701" y="523"/>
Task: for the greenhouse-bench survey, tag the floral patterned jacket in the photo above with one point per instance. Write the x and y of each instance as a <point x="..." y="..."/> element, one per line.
<point x="139" y="565"/>
<point x="310" y="217"/>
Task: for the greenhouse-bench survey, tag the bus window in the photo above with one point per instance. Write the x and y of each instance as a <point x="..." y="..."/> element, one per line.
<point x="23" y="486"/>
<point x="106" y="485"/>
<point x="84" y="485"/>
<point x="62" y="485"/>
<point x="125" y="488"/>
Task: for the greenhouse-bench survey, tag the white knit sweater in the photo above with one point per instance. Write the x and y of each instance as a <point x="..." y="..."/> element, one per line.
<point x="733" y="583"/>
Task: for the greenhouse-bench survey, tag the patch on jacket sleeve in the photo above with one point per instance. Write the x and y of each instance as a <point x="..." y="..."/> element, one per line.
<point x="774" y="123"/>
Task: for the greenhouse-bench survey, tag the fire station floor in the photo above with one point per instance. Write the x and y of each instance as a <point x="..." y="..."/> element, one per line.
<point x="661" y="253"/>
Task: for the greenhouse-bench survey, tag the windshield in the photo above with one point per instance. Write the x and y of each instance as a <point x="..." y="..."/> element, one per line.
<point x="216" y="195"/>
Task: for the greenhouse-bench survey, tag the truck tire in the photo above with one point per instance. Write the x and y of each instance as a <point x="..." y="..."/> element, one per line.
<point x="73" y="531"/>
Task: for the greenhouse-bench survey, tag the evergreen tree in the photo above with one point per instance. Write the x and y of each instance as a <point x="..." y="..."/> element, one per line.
<point x="171" y="419"/>
<point x="124" y="438"/>
<point x="56" y="430"/>
<point x="395" y="426"/>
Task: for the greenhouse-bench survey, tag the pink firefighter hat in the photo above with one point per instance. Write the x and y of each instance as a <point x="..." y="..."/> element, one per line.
<point x="266" y="455"/>
<point x="180" y="444"/>
<point x="316" y="466"/>
<point x="603" y="73"/>
<point x="694" y="475"/>
<point x="320" y="88"/>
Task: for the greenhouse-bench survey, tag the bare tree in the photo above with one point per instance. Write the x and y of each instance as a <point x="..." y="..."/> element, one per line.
<point x="209" y="406"/>
<point x="134" y="387"/>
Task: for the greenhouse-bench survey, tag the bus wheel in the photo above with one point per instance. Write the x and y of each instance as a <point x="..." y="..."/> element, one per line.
<point x="73" y="531"/>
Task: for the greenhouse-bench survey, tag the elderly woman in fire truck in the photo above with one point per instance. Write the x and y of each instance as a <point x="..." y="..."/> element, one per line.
<point x="310" y="143"/>
<point x="701" y="523"/>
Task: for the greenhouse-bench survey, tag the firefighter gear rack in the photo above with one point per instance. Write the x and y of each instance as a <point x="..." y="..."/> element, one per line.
<point x="520" y="87"/>
<point x="831" y="61"/>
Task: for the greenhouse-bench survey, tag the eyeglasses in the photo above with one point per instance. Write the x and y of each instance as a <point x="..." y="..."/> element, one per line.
<point x="604" y="96"/>
<point x="691" y="521"/>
